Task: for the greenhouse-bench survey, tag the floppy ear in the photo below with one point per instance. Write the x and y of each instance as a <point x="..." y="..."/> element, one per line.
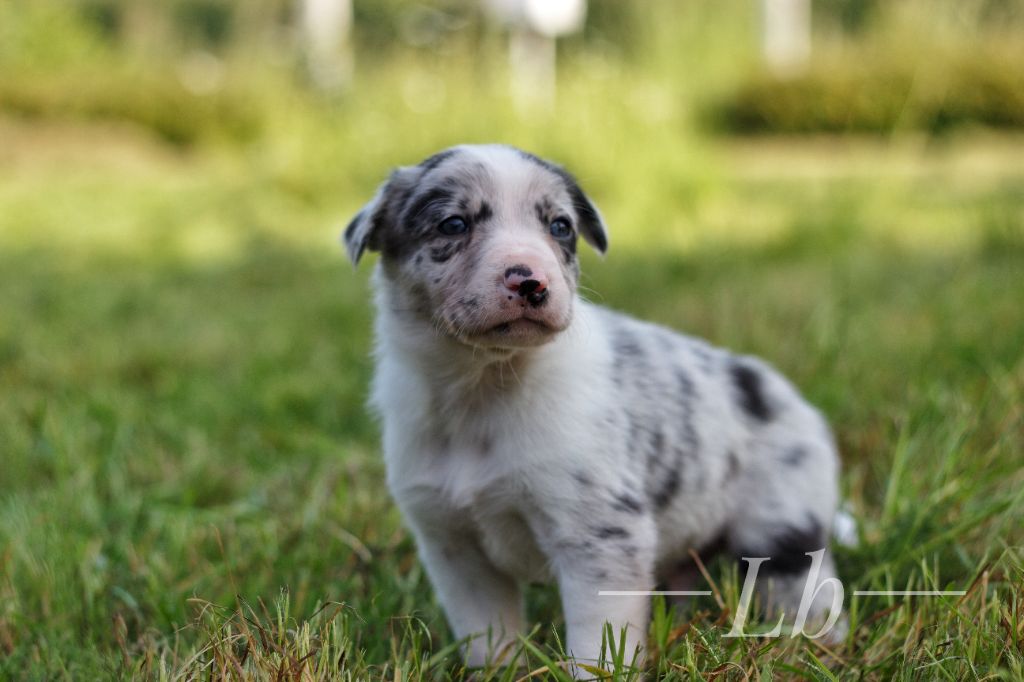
<point x="365" y="230"/>
<point x="591" y="225"/>
<point x="358" y="236"/>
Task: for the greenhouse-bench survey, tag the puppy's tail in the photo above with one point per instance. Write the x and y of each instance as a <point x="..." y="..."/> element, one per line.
<point x="844" y="528"/>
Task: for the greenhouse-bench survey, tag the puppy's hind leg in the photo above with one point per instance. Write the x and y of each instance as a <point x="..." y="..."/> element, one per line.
<point x="806" y="597"/>
<point x="782" y="538"/>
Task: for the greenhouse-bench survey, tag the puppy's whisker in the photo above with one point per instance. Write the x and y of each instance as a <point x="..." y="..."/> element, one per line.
<point x="515" y="375"/>
<point x="593" y="294"/>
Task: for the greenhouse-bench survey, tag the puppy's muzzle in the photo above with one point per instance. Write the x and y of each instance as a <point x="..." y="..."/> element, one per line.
<point x="532" y="289"/>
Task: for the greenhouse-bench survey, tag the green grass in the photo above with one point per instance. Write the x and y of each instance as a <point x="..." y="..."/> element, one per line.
<point x="190" y="486"/>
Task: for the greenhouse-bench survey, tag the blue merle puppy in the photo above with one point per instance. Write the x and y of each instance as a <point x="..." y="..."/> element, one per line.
<point x="531" y="435"/>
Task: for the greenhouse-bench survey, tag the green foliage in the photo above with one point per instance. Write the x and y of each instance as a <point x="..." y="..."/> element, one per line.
<point x="190" y="485"/>
<point x="45" y="35"/>
<point x="189" y="473"/>
<point x="156" y="102"/>
<point x="209" y="22"/>
<point x="882" y="94"/>
<point x="196" y="70"/>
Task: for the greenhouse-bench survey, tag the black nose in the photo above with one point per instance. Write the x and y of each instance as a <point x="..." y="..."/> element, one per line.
<point x="533" y="291"/>
<point x="523" y="282"/>
<point x="528" y="286"/>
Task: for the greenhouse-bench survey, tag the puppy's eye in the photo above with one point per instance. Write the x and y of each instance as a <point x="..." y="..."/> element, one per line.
<point x="560" y="228"/>
<point x="453" y="226"/>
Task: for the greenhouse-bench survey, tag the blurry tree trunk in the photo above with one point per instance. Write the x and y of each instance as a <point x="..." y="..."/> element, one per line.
<point x="532" y="61"/>
<point x="786" y="35"/>
<point x="325" y="27"/>
<point x="534" y="26"/>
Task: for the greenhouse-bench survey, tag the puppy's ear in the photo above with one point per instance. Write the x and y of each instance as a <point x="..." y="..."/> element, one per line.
<point x="367" y="227"/>
<point x="591" y="225"/>
<point x="358" y="236"/>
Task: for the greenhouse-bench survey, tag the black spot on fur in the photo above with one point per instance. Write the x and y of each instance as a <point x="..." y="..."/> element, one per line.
<point x="686" y="390"/>
<point x="625" y="345"/>
<point x="484" y="214"/>
<point x="606" y="532"/>
<point x="431" y="199"/>
<point x="541" y="211"/>
<point x="402" y="194"/>
<point x="752" y="399"/>
<point x="787" y="549"/>
<point x="583" y="548"/>
<point x="432" y="162"/>
<point x="734" y="466"/>
<point x="583" y="478"/>
<point x="416" y="299"/>
<point x="520" y="270"/>
<point x="626" y="502"/>
<point x="667" y="489"/>
<point x="440" y="254"/>
<point x="795" y="456"/>
<point x="710" y="550"/>
<point x="657" y="443"/>
<point x="665" y="469"/>
<point x="705" y="552"/>
<point x="470" y="302"/>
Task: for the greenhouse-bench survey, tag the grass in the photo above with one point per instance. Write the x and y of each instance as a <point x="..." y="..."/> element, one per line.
<point x="190" y="485"/>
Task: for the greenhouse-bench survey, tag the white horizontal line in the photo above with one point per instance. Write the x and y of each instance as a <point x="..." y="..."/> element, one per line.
<point x="653" y="593"/>
<point x="909" y="593"/>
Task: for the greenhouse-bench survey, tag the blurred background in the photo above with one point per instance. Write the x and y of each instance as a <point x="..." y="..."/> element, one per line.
<point x="837" y="185"/>
<point x="312" y="101"/>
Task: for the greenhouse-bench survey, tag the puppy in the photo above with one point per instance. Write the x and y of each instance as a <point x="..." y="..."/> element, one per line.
<point x="531" y="435"/>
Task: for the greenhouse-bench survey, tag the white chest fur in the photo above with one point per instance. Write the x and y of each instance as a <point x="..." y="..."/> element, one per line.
<point x="490" y="446"/>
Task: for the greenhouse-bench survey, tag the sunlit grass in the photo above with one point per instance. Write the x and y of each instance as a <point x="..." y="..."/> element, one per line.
<point x="190" y="485"/>
<point x="189" y="474"/>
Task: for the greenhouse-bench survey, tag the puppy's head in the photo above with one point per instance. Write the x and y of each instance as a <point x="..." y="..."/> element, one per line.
<point x="480" y="241"/>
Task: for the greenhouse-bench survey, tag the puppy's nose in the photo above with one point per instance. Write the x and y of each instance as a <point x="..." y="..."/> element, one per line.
<point x="523" y="282"/>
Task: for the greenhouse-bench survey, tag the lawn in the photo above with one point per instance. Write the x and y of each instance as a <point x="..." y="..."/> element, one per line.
<point x="190" y="484"/>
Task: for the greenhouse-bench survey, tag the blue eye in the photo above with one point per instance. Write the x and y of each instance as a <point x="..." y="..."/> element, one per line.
<point x="560" y="228"/>
<point x="453" y="226"/>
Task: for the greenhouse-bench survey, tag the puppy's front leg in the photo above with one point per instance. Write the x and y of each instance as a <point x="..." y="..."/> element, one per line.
<point x="623" y="561"/>
<point x="479" y="600"/>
